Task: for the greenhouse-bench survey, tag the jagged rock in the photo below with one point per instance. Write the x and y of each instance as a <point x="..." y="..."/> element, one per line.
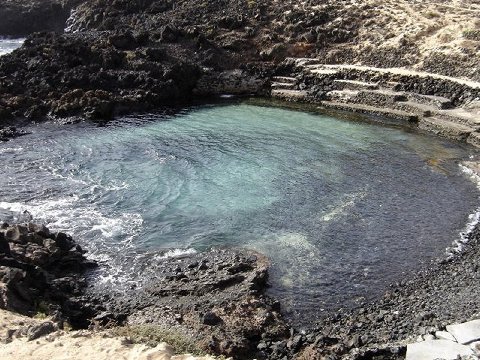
<point x="38" y="266"/>
<point x="40" y="330"/>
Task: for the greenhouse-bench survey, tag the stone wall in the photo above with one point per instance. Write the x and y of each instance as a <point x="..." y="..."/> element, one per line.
<point x="236" y="82"/>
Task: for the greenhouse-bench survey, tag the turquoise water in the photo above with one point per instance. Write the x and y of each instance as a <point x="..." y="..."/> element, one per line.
<point x="341" y="208"/>
<point x="8" y="45"/>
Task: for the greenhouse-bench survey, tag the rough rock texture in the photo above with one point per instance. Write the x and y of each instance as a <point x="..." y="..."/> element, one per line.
<point x="421" y="305"/>
<point x="10" y="132"/>
<point x="216" y="297"/>
<point x="23" y="17"/>
<point x="139" y="55"/>
<point x="41" y="272"/>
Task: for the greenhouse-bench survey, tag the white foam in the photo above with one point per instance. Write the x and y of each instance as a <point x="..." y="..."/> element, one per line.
<point x="473" y="219"/>
<point x="8" y="45"/>
<point x="70" y="215"/>
<point x="173" y="253"/>
<point x="342" y="208"/>
<point x="11" y="150"/>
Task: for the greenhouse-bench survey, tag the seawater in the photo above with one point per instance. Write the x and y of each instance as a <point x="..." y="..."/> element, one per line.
<point x="8" y="45"/>
<point x="341" y="208"/>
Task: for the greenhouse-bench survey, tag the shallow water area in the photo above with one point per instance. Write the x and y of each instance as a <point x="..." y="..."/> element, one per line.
<point x="7" y="45"/>
<point x="341" y="208"/>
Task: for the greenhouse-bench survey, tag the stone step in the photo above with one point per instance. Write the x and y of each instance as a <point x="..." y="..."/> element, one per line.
<point x="284" y="79"/>
<point x="307" y="62"/>
<point x="391" y="85"/>
<point x="445" y="128"/>
<point x="415" y="108"/>
<point x="323" y="72"/>
<point x="474" y="139"/>
<point x="282" y="85"/>
<point x="354" y="85"/>
<point x="460" y="115"/>
<point x="438" y="102"/>
<point x="341" y="95"/>
<point x="290" y="95"/>
<point x="381" y="97"/>
<point x="397" y="115"/>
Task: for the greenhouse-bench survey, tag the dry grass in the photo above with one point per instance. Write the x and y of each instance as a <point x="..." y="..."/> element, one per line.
<point x="152" y="335"/>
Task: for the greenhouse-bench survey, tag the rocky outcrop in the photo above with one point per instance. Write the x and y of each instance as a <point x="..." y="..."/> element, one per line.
<point x="218" y="296"/>
<point x="41" y="271"/>
<point x="10" y="132"/>
<point x="125" y="56"/>
<point x="92" y="77"/>
<point x="23" y="17"/>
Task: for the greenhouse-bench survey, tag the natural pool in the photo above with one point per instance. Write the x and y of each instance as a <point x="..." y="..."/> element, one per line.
<point x="341" y="208"/>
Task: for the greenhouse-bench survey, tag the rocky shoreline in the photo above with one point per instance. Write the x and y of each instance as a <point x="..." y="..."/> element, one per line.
<point x="42" y="271"/>
<point x="217" y="299"/>
<point x="120" y="57"/>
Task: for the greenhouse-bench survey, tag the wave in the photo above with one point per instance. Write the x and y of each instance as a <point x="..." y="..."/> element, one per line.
<point x="472" y="170"/>
<point x="70" y="215"/>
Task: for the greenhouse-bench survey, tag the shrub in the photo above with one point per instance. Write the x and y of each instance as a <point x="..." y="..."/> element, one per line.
<point x="152" y="335"/>
<point x="472" y="34"/>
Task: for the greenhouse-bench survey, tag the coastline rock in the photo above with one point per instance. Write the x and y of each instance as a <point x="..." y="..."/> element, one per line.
<point x="23" y="17"/>
<point x="216" y="296"/>
<point x="41" y="271"/>
<point x="10" y="132"/>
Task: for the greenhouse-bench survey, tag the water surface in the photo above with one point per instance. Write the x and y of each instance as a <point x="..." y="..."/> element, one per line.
<point x="341" y="208"/>
<point x="7" y="45"/>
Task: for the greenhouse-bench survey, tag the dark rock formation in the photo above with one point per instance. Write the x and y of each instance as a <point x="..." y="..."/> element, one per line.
<point x="23" y="17"/>
<point x="218" y="296"/>
<point x="10" y="132"/>
<point x="41" y="271"/>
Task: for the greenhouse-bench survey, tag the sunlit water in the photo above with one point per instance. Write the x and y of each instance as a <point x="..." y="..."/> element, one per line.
<point x="341" y="208"/>
<point x="8" y="45"/>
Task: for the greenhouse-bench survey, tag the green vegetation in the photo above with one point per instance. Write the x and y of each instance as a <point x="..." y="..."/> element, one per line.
<point x="432" y="14"/>
<point x="472" y="34"/>
<point x="42" y="310"/>
<point x="153" y="335"/>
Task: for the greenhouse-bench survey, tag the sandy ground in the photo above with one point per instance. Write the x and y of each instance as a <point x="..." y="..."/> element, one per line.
<point x="433" y="25"/>
<point x="77" y="345"/>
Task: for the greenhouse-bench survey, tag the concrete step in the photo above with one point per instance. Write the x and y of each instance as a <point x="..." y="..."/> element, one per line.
<point x="437" y="349"/>
<point x="445" y="128"/>
<point x="284" y="79"/>
<point x="290" y="95"/>
<point x="342" y="95"/>
<point x="280" y="85"/>
<point x="435" y="101"/>
<point x="354" y="85"/>
<point x="391" y="114"/>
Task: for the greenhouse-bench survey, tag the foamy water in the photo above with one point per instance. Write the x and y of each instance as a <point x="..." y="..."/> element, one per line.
<point x="8" y="45"/>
